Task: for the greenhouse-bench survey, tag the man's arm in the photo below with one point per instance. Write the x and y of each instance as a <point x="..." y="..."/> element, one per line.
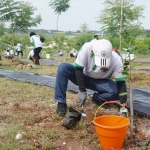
<point x="80" y="79"/>
<point x="82" y="95"/>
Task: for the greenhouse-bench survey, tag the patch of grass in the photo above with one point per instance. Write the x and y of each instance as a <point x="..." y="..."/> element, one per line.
<point x="54" y="117"/>
<point x="52" y="133"/>
<point x="28" y="146"/>
<point x="7" y="146"/>
<point x="30" y="109"/>
<point x="46" y="145"/>
<point x="81" y="134"/>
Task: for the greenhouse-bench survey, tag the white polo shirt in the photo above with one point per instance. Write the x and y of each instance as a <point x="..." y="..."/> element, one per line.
<point x="31" y="54"/>
<point x="35" y="40"/>
<point x="19" y="47"/>
<point x="85" y="60"/>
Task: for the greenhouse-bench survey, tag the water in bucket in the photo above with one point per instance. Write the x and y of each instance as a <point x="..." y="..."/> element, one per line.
<point x="111" y="131"/>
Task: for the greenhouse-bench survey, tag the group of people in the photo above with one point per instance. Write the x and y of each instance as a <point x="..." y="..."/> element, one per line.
<point x="94" y="65"/>
<point x="37" y="43"/>
<point x="10" y="53"/>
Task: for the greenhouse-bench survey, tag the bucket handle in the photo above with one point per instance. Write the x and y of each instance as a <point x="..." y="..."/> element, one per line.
<point x="106" y="102"/>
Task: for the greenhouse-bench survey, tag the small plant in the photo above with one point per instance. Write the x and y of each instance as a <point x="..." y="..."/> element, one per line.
<point x="54" y="117"/>
<point x="6" y="146"/>
<point x="32" y="118"/>
<point x="82" y="134"/>
<point x="127" y="73"/>
<point x="52" y="134"/>
<point x="46" y="145"/>
<point x="29" y="147"/>
<point x="82" y="124"/>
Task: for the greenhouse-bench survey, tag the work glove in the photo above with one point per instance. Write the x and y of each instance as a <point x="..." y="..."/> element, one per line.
<point x="72" y="119"/>
<point x="82" y="97"/>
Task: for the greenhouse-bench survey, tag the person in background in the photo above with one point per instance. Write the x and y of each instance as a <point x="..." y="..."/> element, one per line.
<point x="116" y="50"/>
<point x="31" y="54"/>
<point x="73" y="53"/>
<point x="15" y="50"/>
<point x="60" y="53"/>
<point x="11" y="53"/>
<point x="96" y="36"/>
<point x="7" y="54"/>
<point x="19" y="49"/>
<point x="37" y="45"/>
<point x="93" y="67"/>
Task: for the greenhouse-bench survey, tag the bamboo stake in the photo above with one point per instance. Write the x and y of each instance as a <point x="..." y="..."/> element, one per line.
<point x="121" y="23"/>
<point x="131" y="101"/>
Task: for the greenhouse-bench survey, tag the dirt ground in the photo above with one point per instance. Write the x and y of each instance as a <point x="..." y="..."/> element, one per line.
<point x="29" y="110"/>
<point x="34" y="117"/>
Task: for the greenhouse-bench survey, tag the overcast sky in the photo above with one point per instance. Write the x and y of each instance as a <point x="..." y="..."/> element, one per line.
<point x="80" y="12"/>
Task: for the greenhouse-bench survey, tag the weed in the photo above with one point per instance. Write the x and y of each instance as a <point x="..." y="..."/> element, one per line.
<point x="52" y="133"/>
<point x="82" y="134"/>
<point x="7" y="146"/>
<point x="31" y="118"/>
<point x="54" y="117"/>
<point x="46" y="144"/>
<point x="28" y="147"/>
<point x="82" y="124"/>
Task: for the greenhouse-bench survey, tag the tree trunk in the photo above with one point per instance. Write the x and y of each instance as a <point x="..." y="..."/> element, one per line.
<point x="12" y="44"/>
<point x="131" y="101"/>
<point x="57" y="35"/>
<point x="121" y="24"/>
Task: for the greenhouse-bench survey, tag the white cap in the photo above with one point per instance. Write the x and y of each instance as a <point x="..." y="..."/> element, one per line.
<point x="102" y="50"/>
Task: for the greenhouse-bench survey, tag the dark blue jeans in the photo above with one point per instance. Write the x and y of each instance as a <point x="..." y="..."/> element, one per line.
<point x="106" y="88"/>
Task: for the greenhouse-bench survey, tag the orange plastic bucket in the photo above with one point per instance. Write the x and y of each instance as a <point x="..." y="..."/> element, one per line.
<point x="111" y="131"/>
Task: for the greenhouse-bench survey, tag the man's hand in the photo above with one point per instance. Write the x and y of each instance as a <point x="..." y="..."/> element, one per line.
<point x="82" y="97"/>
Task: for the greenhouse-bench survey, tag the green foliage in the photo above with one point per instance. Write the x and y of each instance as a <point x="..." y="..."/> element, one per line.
<point x="147" y="41"/>
<point x="24" y="19"/>
<point x="6" y="146"/>
<point x="84" y="28"/>
<point x="1" y="28"/>
<point x="9" y="9"/>
<point x="59" y="6"/>
<point x="24" y="39"/>
<point x="80" y="39"/>
<point x="127" y="64"/>
<point x="114" y="41"/>
<point x="110" y="18"/>
<point x="141" y="45"/>
<point x="47" y="144"/>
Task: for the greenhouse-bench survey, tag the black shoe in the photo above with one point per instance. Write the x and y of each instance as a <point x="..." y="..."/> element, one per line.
<point x="97" y="102"/>
<point x="61" y="109"/>
<point x="100" y="102"/>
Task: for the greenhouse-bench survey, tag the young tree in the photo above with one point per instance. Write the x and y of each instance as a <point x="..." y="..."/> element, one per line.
<point x="59" y="6"/>
<point x="8" y="10"/>
<point x="1" y="28"/>
<point x="24" y="19"/>
<point x="1" y="33"/>
<point x="111" y="16"/>
<point x="84" y="28"/>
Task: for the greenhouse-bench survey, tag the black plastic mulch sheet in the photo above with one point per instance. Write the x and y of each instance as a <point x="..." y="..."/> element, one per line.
<point x="44" y="61"/>
<point x="141" y="97"/>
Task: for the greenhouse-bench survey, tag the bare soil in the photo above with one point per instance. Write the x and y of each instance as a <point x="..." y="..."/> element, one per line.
<point x="29" y="110"/>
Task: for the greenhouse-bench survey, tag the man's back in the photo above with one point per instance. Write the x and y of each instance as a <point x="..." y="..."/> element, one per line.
<point x="19" y="47"/>
<point x="85" y="60"/>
